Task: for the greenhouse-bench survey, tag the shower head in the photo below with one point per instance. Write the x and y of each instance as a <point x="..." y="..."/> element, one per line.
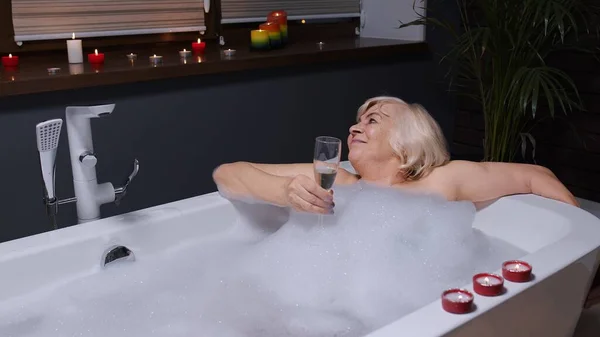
<point x="48" y="135"/>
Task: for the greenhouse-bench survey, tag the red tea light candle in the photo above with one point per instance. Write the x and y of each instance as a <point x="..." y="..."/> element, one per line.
<point x="274" y="32"/>
<point x="10" y="61"/>
<point x="457" y="301"/>
<point x="198" y="47"/>
<point x="96" y="58"/>
<point x="280" y="17"/>
<point x="516" y="271"/>
<point x="488" y="284"/>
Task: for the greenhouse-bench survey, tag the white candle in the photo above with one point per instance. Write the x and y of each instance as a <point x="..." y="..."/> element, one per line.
<point x="488" y="281"/>
<point x="74" y="50"/>
<point x="132" y="57"/>
<point x="517" y="267"/>
<point x="458" y="297"/>
<point x="229" y="52"/>
<point x="185" y="53"/>
<point x="53" y="71"/>
<point x="156" y="59"/>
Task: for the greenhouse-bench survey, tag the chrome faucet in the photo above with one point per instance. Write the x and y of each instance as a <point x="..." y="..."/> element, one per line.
<point x="89" y="195"/>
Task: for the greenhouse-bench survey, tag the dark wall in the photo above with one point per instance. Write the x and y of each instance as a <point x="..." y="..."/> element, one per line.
<point x="181" y="129"/>
<point x="569" y="144"/>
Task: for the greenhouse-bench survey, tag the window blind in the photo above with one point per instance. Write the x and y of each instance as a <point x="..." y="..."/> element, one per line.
<point x="233" y="11"/>
<point x="57" y="19"/>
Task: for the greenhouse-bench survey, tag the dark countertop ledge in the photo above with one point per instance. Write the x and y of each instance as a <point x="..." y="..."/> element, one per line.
<point x="32" y="76"/>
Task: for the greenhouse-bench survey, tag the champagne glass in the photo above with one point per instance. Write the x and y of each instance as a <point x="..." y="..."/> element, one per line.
<point x="326" y="162"/>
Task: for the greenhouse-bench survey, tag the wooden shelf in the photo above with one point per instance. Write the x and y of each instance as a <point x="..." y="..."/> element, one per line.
<point x="32" y="75"/>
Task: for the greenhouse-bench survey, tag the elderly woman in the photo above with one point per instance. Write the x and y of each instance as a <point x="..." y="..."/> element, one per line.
<point x="393" y="144"/>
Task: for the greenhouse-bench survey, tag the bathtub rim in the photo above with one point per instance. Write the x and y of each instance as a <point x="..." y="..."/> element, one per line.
<point x="578" y="243"/>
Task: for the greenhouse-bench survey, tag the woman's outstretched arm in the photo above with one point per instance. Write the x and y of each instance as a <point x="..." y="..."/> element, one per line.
<point x="285" y="185"/>
<point x="490" y="180"/>
<point x="244" y="181"/>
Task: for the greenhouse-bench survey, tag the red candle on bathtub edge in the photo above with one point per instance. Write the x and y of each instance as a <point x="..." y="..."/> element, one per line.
<point x="96" y="58"/>
<point x="457" y="301"/>
<point x="516" y="271"/>
<point x="10" y="61"/>
<point x="487" y="284"/>
<point x="198" y="47"/>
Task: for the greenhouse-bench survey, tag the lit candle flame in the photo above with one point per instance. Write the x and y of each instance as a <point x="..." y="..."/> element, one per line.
<point x="10" y="55"/>
<point x="154" y="55"/>
<point x="184" y="50"/>
<point x="303" y="21"/>
<point x="73" y="36"/>
<point x="12" y="78"/>
<point x="518" y="267"/>
<point x="198" y="40"/>
<point x="96" y="51"/>
<point x="460" y="297"/>
<point x="486" y="281"/>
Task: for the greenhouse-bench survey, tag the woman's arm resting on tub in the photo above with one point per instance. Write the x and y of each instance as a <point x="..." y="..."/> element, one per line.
<point x="244" y="180"/>
<point x="490" y="180"/>
<point x="279" y="184"/>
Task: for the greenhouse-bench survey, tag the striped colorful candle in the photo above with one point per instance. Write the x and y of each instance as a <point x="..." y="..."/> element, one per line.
<point x="280" y="17"/>
<point x="274" y="33"/>
<point x="259" y="39"/>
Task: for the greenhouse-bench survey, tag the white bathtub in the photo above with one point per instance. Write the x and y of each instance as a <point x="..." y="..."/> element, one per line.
<point x="562" y="244"/>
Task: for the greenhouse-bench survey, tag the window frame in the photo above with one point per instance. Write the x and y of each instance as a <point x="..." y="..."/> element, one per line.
<point x="232" y="32"/>
<point x="9" y="45"/>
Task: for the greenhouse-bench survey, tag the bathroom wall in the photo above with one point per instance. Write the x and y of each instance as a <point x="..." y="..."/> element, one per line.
<point x="181" y="129"/>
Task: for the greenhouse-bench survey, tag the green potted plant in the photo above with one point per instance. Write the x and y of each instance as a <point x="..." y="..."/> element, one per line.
<point x="499" y="58"/>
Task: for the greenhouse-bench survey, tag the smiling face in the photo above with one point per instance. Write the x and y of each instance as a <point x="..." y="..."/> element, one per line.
<point x="393" y="138"/>
<point x="369" y="139"/>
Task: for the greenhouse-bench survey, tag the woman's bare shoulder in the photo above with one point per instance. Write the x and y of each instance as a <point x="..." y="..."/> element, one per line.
<point x="442" y="179"/>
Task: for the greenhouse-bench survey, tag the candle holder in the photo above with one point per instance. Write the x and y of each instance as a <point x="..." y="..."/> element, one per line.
<point x="516" y="271"/>
<point x="155" y="60"/>
<point x="184" y="54"/>
<point x="53" y="71"/>
<point x="132" y="57"/>
<point x="457" y="301"/>
<point x="487" y="284"/>
<point x="228" y="53"/>
<point x="320" y="45"/>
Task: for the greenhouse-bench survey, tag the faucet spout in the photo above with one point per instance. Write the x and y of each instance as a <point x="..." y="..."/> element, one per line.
<point x="90" y="195"/>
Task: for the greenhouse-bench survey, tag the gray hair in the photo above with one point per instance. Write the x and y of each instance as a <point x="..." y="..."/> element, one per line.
<point x="417" y="138"/>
